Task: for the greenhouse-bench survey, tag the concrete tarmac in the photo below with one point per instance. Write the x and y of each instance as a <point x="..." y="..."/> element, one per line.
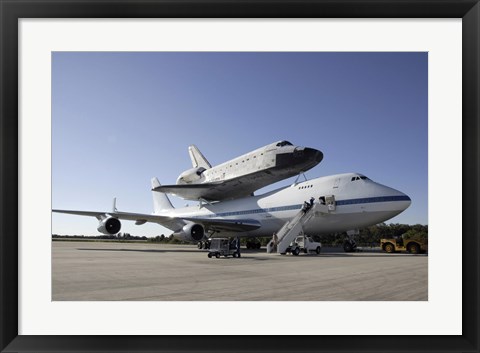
<point x="98" y="271"/>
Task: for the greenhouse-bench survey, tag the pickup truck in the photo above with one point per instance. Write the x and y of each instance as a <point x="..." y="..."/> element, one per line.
<point x="304" y="243"/>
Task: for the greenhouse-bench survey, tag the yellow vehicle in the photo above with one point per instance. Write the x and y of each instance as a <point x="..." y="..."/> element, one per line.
<point x="410" y="245"/>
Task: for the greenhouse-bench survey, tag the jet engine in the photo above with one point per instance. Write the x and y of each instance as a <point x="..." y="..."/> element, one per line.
<point x="191" y="232"/>
<point x="109" y="225"/>
<point x="191" y="176"/>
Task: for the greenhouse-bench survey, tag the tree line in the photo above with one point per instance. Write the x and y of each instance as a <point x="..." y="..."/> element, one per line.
<point x="369" y="236"/>
<point x="372" y="235"/>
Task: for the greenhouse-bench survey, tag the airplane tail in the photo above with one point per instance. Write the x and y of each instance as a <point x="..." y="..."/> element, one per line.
<point x="160" y="200"/>
<point x="198" y="159"/>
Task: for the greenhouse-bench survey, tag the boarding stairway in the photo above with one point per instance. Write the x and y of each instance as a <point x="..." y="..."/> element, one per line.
<point x="291" y="229"/>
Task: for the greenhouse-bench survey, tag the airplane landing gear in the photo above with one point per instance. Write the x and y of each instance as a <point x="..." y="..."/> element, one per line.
<point x="204" y="244"/>
<point x="253" y="244"/>
<point x="350" y="245"/>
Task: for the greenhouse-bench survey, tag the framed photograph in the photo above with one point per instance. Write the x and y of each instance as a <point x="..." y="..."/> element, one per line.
<point x="97" y="95"/>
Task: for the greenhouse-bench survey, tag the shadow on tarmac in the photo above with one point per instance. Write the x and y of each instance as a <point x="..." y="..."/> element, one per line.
<point x="145" y="250"/>
<point x="255" y="252"/>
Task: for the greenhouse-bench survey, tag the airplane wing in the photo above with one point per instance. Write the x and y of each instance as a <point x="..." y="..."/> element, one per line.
<point x="174" y="223"/>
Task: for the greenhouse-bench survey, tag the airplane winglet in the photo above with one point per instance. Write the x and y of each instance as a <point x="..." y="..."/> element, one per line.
<point x="114" y="206"/>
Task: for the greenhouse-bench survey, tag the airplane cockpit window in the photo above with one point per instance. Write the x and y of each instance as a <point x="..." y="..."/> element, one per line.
<point x="284" y="143"/>
<point x="361" y="177"/>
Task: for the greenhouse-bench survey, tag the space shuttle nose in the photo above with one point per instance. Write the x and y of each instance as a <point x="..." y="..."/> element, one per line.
<point x="300" y="159"/>
<point x="313" y="154"/>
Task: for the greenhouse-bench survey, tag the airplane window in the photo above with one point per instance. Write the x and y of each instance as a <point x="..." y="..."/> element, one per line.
<point x="353" y="178"/>
<point x="364" y="178"/>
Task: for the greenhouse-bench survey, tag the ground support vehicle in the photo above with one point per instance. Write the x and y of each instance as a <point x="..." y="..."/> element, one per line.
<point x="305" y="244"/>
<point x="410" y="245"/>
<point x="223" y="247"/>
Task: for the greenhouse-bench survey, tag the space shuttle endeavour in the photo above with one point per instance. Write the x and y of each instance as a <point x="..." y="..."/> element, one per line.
<point x="242" y="175"/>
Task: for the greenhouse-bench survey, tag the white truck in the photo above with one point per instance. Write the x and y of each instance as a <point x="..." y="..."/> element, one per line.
<point x="304" y="243"/>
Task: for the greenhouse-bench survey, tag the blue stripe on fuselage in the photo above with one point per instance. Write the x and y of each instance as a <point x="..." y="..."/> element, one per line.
<point x="373" y="199"/>
<point x="299" y="206"/>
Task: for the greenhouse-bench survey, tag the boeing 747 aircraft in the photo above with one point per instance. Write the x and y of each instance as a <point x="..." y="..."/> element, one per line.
<point x="352" y="201"/>
<point x="243" y="175"/>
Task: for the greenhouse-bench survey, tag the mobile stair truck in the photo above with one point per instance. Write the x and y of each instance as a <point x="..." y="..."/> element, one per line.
<point x="283" y="241"/>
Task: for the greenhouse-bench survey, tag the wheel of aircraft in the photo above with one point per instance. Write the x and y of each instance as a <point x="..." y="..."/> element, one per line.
<point x="209" y="255"/>
<point x="347" y="246"/>
<point x="253" y="245"/>
<point x="217" y="255"/>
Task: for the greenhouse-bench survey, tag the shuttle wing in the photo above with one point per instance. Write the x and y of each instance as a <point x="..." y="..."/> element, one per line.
<point x="220" y="190"/>
<point x="209" y="191"/>
<point x="174" y="223"/>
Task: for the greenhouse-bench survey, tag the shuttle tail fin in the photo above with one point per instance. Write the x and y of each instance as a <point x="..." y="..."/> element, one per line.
<point x="161" y="201"/>
<point x="198" y="159"/>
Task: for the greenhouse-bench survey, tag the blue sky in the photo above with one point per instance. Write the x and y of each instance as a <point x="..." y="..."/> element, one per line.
<point x="119" y="119"/>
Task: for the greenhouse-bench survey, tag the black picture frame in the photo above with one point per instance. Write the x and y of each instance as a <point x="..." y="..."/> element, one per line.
<point x="12" y="10"/>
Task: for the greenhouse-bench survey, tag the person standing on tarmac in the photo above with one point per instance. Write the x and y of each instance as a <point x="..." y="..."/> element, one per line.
<point x="238" y="246"/>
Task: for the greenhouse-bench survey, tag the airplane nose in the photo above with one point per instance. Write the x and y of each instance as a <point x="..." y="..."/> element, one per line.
<point x="408" y="200"/>
<point x="402" y="201"/>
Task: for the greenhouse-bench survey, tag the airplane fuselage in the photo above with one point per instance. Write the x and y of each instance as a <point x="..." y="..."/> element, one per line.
<point x="358" y="202"/>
